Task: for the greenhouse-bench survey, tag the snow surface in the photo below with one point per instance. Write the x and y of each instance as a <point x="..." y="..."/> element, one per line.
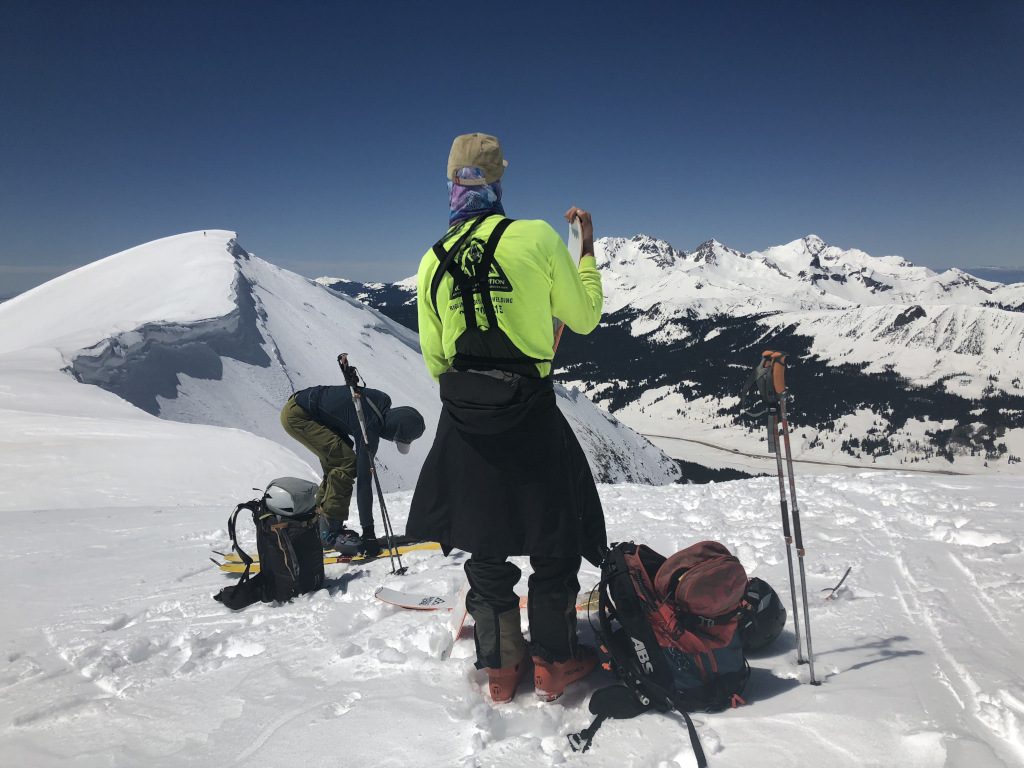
<point x="118" y="656"/>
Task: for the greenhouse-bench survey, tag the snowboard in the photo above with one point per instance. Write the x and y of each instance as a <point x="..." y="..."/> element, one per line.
<point x="233" y="564"/>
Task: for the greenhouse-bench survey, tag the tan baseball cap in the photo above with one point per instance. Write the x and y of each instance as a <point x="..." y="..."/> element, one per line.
<point x="477" y="150"/>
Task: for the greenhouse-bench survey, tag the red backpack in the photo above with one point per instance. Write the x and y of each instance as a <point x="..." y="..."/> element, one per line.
<point x="670" y="627"/>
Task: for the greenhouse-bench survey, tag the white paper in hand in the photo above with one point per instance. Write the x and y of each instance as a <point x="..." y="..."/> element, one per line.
<point x="575" y="240"/>
<point x="575" y="245"/>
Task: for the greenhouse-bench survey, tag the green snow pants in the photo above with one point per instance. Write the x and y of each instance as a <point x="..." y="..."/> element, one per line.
<point x="337" y="459"/>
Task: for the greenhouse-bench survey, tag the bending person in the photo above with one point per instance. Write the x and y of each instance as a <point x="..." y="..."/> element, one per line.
<point x="324" y="420"/>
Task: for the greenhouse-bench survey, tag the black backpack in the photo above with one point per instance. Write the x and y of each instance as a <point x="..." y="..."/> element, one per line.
<point x="291" y="560"/>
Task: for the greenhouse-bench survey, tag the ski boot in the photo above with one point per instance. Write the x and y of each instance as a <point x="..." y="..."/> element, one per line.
<point x="348" y="543"/>
<point x="550" y="678"/>
<point x="329" y="530"/>
<point x="502" y="683"/>
<point x="371" y="546"/>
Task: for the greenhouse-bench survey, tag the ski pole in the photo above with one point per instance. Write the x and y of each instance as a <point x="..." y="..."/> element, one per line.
<point x="779" y="381"/>
<point x="768" y="393"/>
<point x="787" y="535"/>
<point x="352" y="379"/>
<point x="833" y="591"/>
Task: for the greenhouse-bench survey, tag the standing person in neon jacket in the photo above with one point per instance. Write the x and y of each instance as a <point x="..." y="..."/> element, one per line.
<point x="506" y="475"/>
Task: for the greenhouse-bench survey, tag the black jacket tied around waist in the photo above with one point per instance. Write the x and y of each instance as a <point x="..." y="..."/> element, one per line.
<point x="506" y="475"/>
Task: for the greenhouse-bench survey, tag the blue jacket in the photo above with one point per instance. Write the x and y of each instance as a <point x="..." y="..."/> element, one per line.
<point x="332" y="406"/>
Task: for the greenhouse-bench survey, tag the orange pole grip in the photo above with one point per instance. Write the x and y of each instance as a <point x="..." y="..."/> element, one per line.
<point x="779" y="372"/>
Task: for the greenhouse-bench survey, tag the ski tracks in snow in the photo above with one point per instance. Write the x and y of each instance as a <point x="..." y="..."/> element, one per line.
<point x="946" y="560"/>
<point x="124" y="658"/>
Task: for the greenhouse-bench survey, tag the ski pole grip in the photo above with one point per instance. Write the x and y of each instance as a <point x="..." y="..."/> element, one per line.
<point x="349" y="373"/>
<point x="779" y="373"/>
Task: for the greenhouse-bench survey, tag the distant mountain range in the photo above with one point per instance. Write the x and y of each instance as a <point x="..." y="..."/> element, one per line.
<point x="894" y="364"/>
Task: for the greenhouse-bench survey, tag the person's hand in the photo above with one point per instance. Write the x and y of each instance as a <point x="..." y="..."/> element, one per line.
<point x="586" y="228"/>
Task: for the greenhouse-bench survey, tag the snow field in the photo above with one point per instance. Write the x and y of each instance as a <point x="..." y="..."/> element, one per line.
<point x="692" y="430"/>
<point x="120" y="657"/>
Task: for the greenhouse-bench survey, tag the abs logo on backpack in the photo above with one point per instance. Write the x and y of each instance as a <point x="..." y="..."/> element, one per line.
<point x="643" y="656"/>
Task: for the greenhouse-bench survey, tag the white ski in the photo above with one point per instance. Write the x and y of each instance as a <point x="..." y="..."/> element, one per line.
<point x="415" y="602"/>
<point x="455" y="606"/>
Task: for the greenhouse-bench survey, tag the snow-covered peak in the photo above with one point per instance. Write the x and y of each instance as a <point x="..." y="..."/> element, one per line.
<point x="408" y="283"/>
<point x="954" y="278"/>
<point x="640" y="251"/>
<point x="178" y="279"/>
<point x="795" y="257"/>
<point x="814" y="244"/>
<point x="713" y="252"/>
<point x="330" y="282"/>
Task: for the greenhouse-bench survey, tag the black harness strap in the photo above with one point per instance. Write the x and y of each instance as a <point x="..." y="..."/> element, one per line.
<point x="471" y="284"/>
<point x="446" y="256"/>
<point x="483" y="272"/>
<point x="478" y="281"/>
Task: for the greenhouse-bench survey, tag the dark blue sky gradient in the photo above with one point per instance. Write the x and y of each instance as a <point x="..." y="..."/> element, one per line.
<point x="319" y="131"/>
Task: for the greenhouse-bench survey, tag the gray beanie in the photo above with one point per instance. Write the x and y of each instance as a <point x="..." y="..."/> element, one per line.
<point x="403" y="425"/>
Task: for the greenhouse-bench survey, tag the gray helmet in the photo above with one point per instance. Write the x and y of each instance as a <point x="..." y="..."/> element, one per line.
<point x="762" y="615"/>
<point x="402" y="425"/>
<point x="290" y="497"/>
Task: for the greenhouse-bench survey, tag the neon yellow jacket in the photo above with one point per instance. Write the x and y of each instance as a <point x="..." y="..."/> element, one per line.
<point x="536" y="281"/>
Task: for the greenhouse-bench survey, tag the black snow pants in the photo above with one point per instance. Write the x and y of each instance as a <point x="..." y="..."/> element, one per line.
<point x="492" y="602"/>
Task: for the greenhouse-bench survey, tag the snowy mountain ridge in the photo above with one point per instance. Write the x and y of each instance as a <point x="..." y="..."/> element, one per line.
<point x="194" y="330"/>
<point x="803" y="274"/>
<point x="938" y="357"/>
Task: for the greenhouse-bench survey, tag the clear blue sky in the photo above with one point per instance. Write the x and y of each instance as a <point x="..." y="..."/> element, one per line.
<point x="319" y="130"/>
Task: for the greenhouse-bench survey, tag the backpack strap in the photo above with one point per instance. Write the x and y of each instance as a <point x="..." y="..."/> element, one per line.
<point x="373" y="407"/>
<point x="580" y="742"/>
<point x="483" y="271"/>
<point x="446" y="256"/>
<point x="470" y="284"/>
<point x="694" y="622"/>
<point x="252" y="506"/>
